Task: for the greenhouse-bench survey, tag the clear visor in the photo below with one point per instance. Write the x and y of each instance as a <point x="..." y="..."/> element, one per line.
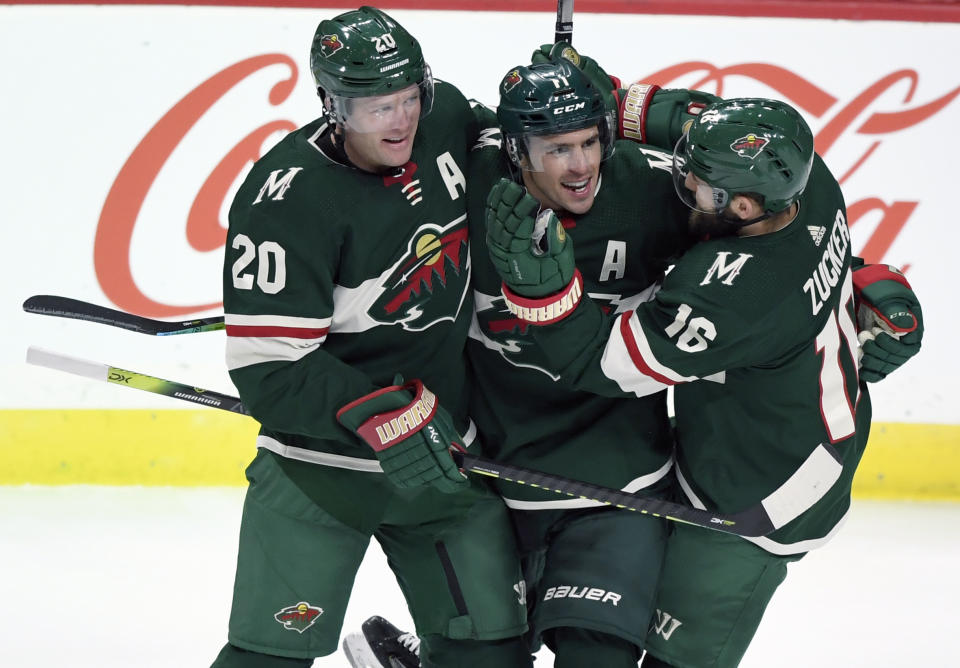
<point x="576" y="150"/>
<point x="383" y="113"/>
<point x="694" y="191"/>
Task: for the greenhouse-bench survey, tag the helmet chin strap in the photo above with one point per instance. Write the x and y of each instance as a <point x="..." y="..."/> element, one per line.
<point x="740" y="222"/>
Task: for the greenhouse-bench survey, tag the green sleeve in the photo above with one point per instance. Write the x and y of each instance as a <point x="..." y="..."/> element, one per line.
<point x="575" y="348"/>
<point x="485" y="116"/>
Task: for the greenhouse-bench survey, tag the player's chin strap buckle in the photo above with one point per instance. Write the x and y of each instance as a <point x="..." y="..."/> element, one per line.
<point x="545" y="310"/>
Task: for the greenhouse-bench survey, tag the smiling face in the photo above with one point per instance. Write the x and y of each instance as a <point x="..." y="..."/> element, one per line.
<point x="561" y="171"/>
<point x="379" y="130"/>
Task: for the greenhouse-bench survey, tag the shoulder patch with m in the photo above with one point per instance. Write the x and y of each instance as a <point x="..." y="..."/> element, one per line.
<point x="724" y="269"/>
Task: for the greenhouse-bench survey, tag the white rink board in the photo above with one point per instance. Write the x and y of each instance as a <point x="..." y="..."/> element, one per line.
<point x="91" y="82"/>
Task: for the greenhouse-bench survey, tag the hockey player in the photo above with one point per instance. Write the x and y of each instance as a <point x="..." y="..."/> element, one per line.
<point x="616" y="199"/>
<point x="755" y="328"/>
<point x="616" y="209"/>
<point x="346" y="271"/>
<point x="559" y="142"/>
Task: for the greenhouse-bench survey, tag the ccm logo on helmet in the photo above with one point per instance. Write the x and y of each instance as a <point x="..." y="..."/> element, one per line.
<point x="569" y="108"/>
<point x="590" y="593"/>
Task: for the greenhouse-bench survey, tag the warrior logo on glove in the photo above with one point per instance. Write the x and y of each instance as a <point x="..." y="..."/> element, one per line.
<point x="410" y="434"/>
<point x="394" y="426"/>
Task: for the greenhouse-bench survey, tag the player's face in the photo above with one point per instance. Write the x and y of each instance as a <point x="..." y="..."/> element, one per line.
<point x="561" y="171"/>
<point x="379" y="130"/>
<point x="705" y="219"/>
<point x="702" y="193"/>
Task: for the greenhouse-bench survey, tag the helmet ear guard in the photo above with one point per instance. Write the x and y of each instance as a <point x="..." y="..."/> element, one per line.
<point x="514" y="150"/>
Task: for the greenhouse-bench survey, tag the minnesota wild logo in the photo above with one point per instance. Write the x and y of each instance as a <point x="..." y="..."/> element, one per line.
<point x="329" y="45"/>
<point x="498" y="329"/>
<point x="749" y="146"/>
<point x="511" y="80"/>
<point x="429" y="283"/>
<point x="299" y="617"/>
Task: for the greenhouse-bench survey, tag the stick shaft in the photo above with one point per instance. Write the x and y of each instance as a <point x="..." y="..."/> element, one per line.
<point x="752" y="522"/>
<point x="564" y="29"/>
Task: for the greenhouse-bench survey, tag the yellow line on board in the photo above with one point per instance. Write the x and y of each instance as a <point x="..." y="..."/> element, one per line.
<point x="125" y="447"/>
<point x="212" y="448"/>
<point x="915" y="461"/>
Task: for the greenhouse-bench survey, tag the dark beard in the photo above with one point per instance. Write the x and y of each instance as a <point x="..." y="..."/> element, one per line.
<point x="710" y="225"/>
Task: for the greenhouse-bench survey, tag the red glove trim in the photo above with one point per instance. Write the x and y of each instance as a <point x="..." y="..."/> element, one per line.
<point x="871" y="273"/>
<point x="889" y="323"/>
<point x="367" y="397"/>
<point x="616" y="89"/>
<point x="383" y="430"/>
<point x="545" y="310"/>
<point x="633" y="111"/>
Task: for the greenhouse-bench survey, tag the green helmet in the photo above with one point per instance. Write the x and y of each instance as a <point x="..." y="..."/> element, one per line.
<point x="752" y="146"/>
<point x="364" y="52"/>
<point x="548" y="99"/>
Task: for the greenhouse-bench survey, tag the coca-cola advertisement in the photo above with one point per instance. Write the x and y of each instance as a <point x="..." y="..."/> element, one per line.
<point x="129" y="128"/>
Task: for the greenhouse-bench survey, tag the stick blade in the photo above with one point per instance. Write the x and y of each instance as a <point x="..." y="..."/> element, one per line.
<point x="75" y="309"/>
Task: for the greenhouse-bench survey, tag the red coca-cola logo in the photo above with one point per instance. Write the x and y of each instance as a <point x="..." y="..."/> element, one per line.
<point x="111" y="252"/>
<point x="204" y="232"/>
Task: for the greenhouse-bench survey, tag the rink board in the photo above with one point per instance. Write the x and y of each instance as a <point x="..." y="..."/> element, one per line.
<point x="122" y="202"/>
<point x="207" y="448"/>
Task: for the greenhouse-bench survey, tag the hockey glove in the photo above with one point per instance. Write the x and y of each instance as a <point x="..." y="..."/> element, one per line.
<point x="607" y="85"/>
<point x="410" y="434"/>
<point x="659" y="117"/>
<point x="889" y="320"/>
<point x="534" y="256"/>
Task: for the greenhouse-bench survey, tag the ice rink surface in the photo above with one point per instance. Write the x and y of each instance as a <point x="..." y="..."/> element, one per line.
<point x="141" y="578"/>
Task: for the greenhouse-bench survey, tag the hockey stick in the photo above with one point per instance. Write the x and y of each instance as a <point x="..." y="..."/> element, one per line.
<point x="751" y="522"/>
<point x="64" y="307"/>
<point x="564" y="29"/>
<point x="137" y="381"/>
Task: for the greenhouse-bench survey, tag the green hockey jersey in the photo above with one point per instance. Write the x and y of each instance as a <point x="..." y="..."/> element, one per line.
<point x="336" y="280"/>
<point x="524" y="415"/>
<point x="757" y="335"/>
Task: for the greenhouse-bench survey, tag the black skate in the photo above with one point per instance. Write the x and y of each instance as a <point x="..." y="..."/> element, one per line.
<point x="382" y="645"/>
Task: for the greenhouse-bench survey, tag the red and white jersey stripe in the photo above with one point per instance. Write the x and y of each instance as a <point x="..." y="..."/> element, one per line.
<point x="252" y="339"/>
<point x="629" y="361"/>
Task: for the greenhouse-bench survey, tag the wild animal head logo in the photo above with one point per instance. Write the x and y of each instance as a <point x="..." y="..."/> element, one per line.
<point x="749" y="146"/>
<point x="500" y="330"/>
<point x="299" y="617"/>
<point x="329" y="45"/>
<point x="429" y="282"/>
<point x="511" y="80"/>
